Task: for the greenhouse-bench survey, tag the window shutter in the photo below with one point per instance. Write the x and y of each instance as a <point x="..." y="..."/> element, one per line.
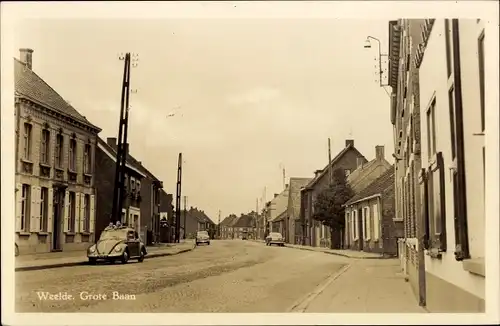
<point x="82" y="214"/>
<point x="363" y="223"/>
<point x="50" y="200"/>
<point x="66" y="211"/>
<point x="92" y="213"/>
<point x="19" y="202"/>
<point x="441" y="204"/>
<point x="424" y="211"/>
<point x="368" y="224"/>
<point x="77" y="212"/>
<point x="376" y="222"/>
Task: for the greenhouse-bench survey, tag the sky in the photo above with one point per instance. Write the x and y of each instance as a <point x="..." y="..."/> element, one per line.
<point x="249" y="96"/>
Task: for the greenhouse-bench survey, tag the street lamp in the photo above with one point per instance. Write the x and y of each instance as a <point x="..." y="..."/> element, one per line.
<point x="368" y="45"/>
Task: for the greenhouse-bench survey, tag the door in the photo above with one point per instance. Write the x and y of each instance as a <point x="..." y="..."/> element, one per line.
<point x="58" y="201"/>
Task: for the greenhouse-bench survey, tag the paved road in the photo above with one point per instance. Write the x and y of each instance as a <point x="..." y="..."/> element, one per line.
<point x="227" y="276"/>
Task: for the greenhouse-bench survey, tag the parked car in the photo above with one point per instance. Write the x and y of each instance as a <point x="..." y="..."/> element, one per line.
<point x="244" y="236"/>
<point x="202" y="237"/>
<point x="117" y="243"/>
<point x="275" y="238"/>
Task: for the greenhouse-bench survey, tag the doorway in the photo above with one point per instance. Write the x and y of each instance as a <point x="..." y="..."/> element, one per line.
<point x="58" y="207"/>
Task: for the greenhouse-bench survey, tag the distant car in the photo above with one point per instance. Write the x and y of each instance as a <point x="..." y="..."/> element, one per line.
<point x="244" y="236"/>
<point x="202" y="237"/>
<point x="275" y="238"/>
<point x="117" y="243"/>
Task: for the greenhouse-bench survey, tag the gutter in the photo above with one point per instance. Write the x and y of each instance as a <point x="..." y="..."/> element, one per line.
<point x="362" y="199"/>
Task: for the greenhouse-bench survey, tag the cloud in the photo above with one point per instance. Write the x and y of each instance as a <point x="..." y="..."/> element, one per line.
<point x="254" y="96"/>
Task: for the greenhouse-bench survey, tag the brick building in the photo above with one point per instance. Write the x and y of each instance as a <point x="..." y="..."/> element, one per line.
<point x="105" y="182"/>
<point x="314" y="234"/>
<point x="370" y="224"/>
<point x="55" y="147"/>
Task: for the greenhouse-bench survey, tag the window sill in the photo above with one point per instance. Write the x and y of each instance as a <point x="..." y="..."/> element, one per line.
<point x="89" y="175"/>
<point x="86" y="233"/>
<point x="43" y="233"/>
<point x="69" y="233"/>
<point x="72" y="171"/>
<point x="24" y="233"/>
<point x="397" y="219"/>
<point x="26" y="161"/>
<point x="474" y="266"/>
<point x="58" y="168"/>
<point x="45" y="165"/>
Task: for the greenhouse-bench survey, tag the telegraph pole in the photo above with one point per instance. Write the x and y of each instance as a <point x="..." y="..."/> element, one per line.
<point x="122" y="145"/>
<point x="218" y="226"/>
<point x="329" y="162"/>
<point x="178" y="201"/>
<point x="184" y="213"/>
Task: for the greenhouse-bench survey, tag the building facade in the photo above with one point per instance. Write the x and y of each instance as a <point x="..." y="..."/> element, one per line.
<point x="370" y="224"/>
<point x="105" y="184"/>
<point x="451" y="65"/>
<point x="55" y="148"/>
<point x="314" y="233"/>
<point x="405" y="39"/>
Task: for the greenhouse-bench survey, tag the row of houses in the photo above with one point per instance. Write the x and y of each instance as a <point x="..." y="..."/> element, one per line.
<point x="194" y="220"/>
<point x="369" y="215"/>
<point x="234" y="227"/>
<point x="437" y="76"/>
<point x="64" y="173"/>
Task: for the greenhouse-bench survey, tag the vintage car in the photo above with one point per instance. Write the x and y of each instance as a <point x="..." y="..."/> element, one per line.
<point x="202" y="237"/>
<point x="275" y="238"/>
<point x="117" y="243"/>
<point x="244" y="235"/>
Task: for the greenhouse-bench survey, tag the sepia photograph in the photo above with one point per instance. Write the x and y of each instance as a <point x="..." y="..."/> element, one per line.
<point x="214" y="157"/>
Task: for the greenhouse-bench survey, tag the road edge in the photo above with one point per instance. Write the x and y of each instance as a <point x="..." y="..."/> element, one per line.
<point x="80" y="263"/>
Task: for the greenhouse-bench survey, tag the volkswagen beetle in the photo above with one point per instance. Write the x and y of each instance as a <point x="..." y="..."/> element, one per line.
<point x="117" y="243"/>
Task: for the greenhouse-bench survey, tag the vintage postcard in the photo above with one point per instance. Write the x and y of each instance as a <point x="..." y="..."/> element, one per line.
<point x="267" y="162"/>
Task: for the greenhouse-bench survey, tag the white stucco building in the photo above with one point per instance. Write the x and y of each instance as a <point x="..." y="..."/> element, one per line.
<point x="452" y="110"/>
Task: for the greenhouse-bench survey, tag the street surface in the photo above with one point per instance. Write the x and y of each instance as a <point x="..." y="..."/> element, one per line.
<point x="226" y="276"/>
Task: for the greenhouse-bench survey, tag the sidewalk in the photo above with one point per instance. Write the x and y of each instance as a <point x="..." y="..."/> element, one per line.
<point x="339" y="252"/>
<point x="373" y="286"/>
<point x="79" y="257"/>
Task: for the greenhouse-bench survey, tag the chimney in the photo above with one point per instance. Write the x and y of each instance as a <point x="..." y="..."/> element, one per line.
<point x="276" y="195"/>
<point x="111" y="141"/>
<point x="317" y="172"/>
<point x="379" y="152"/>
<point x="349" y="142"/>
<point x="359" y="162"/>
<point x="26" y="57"/>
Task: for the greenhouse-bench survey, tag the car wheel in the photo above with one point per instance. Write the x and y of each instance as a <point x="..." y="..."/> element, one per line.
<point x="141" y="257"/>
<point x="125" y="257"/>
<point x="208" y="243"/>
<point x="197" y="243"/>
<point x="92" y="261"/>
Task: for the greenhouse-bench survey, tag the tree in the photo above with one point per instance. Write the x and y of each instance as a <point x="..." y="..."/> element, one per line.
<point x="328" y="207"/>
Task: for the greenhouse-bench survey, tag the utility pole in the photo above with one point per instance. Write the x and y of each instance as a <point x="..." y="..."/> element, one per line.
<point x="184" y="213"/>
<point x="178" y="201"/>
<point x="329" y="162"/>
<point x="122" y="145"/>
<point x="218" y="225"/>
<point x="284" y="182"/>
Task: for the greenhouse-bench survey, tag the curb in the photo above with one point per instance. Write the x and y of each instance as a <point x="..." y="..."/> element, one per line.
<point x="335" y="253"/>
<point x="80" y="263"/>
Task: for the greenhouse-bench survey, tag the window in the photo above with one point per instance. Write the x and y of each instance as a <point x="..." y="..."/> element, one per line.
<point x="367" y="224"/>
<point x="436" y="204"/>
<point x="87" y="159"/>
<point x="138" y="187"/>
<point x="72" y="212"/>
<point x="59" y="150"/>
<point x="44" y="147"/>
<point x="72" y="155"/>
<point x="451" y="101"/>
<point x="480" y="53"/>
<point x="27" y="141"/>
<point x="448" y="40"/>
<point x="44" y="205"/>
<point x="25" y="207"/>
<point x="347" y="172"/>
<point x="431" y="130"/>
<point x="132" y="184"/>
<point x="355" y="224"/>
<point x="86" y="213"/>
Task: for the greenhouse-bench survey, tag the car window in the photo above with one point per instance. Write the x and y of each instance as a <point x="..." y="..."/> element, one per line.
<point x="113" y="234"/>
<point x="136" y="235"/>
<point x="202" y="233"/>
<point x="130" y="235"/>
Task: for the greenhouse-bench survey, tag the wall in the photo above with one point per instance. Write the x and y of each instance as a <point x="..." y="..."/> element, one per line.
<point x="446" y="273"/>
<point x="36" y="240"/>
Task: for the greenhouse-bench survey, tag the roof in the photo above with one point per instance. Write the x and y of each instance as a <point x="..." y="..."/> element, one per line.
<point x="228" y="220"/>
<point x="280" y="217"/>
<point x="375" y="188"/>
<point x="246" y="220"/>
<point x="333" y="162"/>
<point x="294" y="199"/>
<point x="198" y="215"/>
<point x="131" y="162"/>
<point x="32" y="87"/>
<point x="357" y="178"/>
